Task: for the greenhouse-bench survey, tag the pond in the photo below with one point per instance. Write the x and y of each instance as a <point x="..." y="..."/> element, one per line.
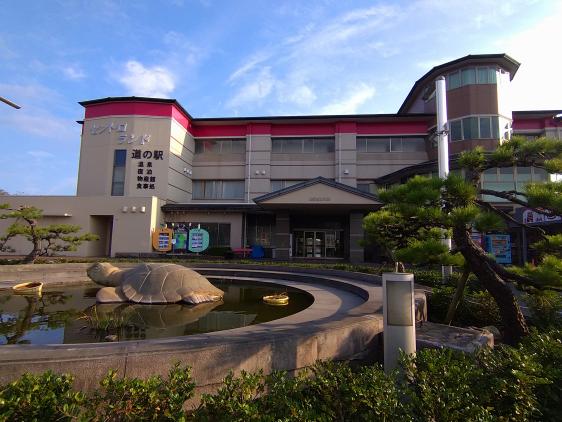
<point x="71" y="315"/>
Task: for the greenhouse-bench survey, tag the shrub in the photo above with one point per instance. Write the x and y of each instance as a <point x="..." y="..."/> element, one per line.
<point x="546" y="348"/>
<point x="45" y="397"/>
<point x="510" y="379"/>
<point x="235" y="401"/>
<point x="338" y="393"/>
<point x="442" y="386"/>
<point x="546" y="308"/>
<point x="133" y="399"/>
<point x="477" y="308"/>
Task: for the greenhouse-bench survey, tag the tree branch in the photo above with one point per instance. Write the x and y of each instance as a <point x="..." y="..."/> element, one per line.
<point x="513" y="198"/>
<point x="508" y="217"/>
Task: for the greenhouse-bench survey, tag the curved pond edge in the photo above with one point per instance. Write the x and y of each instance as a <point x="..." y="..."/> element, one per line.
<point x="344" y="321"/>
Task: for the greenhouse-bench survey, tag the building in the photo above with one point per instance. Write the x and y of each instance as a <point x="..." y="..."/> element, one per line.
<point x="298" y="186"/>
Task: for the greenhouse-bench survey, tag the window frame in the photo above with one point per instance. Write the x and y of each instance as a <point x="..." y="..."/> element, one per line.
<point x="278" y="144"/>
<point x="123" y="169"/>
<point x="199" y="147"/>
<point x="215" y="189"/>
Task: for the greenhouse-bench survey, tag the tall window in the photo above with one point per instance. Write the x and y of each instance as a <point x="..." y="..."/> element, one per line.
<point x="118" y="180"/>
<point x="471" y="76"/>
<point x="510" y="178"/>
<point x="394" y="144"/>
<point x="302" y="145"/>
<point x="282" y="184"/>
<point x="218" y="189"/>
<point x="220" y="146"/>
<point x="474" y="127"/>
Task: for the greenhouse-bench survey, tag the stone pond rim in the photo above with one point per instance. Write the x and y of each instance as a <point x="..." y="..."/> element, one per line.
<point x="344" y="320"/>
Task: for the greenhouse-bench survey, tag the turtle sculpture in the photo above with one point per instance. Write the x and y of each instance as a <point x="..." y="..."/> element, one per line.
<point x="152" y="283"/>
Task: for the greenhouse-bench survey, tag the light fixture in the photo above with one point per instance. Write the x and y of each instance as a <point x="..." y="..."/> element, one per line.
<point x="346" y="171"/>
<point x="125" y="209"/>
<point x="143" y="209"/>
<point x="133" y="209"/>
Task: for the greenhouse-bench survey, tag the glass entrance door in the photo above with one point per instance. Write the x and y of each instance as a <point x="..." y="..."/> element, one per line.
<point x="317" y="244"/>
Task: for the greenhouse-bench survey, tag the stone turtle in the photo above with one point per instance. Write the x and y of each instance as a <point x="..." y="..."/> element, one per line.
<point x="152" y="283"/>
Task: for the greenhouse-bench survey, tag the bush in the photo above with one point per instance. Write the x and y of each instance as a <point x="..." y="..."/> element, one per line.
<point x="368" y="394"/>
<point x="443" y="386"/>
<point x="546" y="348"/>
<point x="133" y="399"/>
<point x="45" y="397"/>
<point x="546" y="309"/>
<point x="477" y="308"/>
<point x="510" y="380"/>
<point x="235" y="401"/>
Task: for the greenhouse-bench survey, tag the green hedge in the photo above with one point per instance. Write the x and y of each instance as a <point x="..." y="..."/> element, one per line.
<point x="507" y="384"/>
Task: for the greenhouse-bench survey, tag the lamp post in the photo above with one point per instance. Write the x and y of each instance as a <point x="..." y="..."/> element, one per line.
<point x="10" y="103"/>
<point x="443" y="151"/>
<point x="399" y="322"/>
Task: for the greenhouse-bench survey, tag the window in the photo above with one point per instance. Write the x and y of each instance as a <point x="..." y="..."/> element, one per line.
<point x="311" y="145"/>
<point x="394" y="144"/>
<point x="510" y="178"/>
<point x="219" y="233"/>
<point x="485" y="127"/>
<point x="471" y="76"/>
<point x="477" y="127"/>
<point x="118" y="180"/>
<point x="367" y="186"/>
<point x="468" y="76"/>
<point x="220" y="146"/>
<point x="218" y="189"/>
<point x="282" y="184"/>
<point x="456" y="130"/>
<point x="454" y="80"/>
<point x="470" y="128"/>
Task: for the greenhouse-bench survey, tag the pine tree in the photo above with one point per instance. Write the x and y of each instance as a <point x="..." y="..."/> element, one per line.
<point x="46" y="240"/>
<point x="415" y="215"/>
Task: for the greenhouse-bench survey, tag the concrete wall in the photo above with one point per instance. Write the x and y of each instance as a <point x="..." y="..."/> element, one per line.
<point x="182" y="148"/>
<point x="131" y="231"/>
<point x="99" y="144"/>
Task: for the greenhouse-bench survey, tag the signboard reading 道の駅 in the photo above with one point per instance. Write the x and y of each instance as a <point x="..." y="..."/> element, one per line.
<point x="198" y="240"/>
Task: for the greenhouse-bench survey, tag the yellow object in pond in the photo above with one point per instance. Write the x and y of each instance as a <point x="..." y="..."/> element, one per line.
<point x="31" y="288"/>
<point x="280" y="299"/>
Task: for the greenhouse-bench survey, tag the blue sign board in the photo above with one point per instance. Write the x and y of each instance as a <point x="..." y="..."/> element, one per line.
<point x="499" y="245"/>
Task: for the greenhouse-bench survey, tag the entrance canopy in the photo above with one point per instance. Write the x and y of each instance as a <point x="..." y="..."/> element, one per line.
<point x="319" y="195"/>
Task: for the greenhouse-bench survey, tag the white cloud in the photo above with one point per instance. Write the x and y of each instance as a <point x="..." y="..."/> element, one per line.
<point x="73" y="72"/>
<point x="42" y="124"/>
<point x="351" y="102"/>
<point x="256" y="90"/>
<point x="155" y="81"/>
<point x="300" y="95"/>
<point x="250" y="64"/>
<point x="40" y="155"/>
<point x="537" y="82"/>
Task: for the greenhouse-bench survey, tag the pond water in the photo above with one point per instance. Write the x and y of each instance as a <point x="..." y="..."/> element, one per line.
<point x="71" y="315"/>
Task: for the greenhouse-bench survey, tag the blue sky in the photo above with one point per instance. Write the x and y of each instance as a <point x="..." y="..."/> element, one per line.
<point x="243" y="58"/>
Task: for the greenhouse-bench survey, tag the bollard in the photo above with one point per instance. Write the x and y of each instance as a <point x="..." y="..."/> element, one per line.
<point x="399" y="322"/>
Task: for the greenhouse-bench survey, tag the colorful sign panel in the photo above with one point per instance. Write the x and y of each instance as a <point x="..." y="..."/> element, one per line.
<point x="198" y="240"/>
<point x="162" y="240"/>
<point x="180" y="238"/>
<point x="532" y="217"/>
<point x="499" y="245"/>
